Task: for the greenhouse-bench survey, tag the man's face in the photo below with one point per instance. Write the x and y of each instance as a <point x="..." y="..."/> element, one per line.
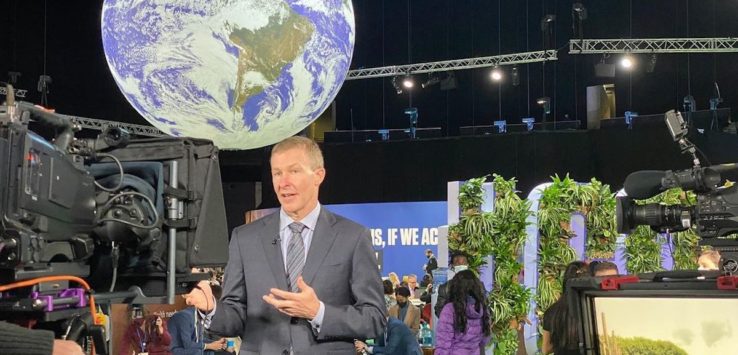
<point x="295" y="182"/>
<point x="197" y="296"/>
<point x="401" y="299"/>
<point x="412" y="283"/>
<point x="428" y="254"/>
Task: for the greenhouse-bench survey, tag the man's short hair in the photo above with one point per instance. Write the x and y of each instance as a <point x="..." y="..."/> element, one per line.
<point x="308" y="145"/>
<point x="412" y="276"/>
<point x="402" y="291"/>
<point x="597" y="266"/>
<point x="428" y="251"/>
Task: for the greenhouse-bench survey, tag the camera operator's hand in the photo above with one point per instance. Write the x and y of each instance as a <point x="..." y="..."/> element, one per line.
<point x="66" y="347"/>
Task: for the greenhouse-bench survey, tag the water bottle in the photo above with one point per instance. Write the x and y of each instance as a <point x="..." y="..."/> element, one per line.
<point x="426" y="336"/>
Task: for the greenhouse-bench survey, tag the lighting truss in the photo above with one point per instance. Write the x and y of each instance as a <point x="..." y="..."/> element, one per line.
<point x="457" y="64"/>
<point x="18" y="92"/>
<point x="134" y="129"/>
<point x="654" y="45"/>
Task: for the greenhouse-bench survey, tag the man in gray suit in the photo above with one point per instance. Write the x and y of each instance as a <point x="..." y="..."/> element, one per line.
<point x="303" y="280"/>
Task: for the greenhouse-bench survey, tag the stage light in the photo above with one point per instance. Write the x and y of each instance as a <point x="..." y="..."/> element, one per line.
<point x="627" y="62"/>
<point x="449" y="82"/>
<point x="501" y="126"/>
<point x="432" y="80"/>
<point x="515" y="76"/>
<point x="545" y="103"/>
<point x="408" y="82"/>
<point x="579" y="9"/>
<point x="651" y="64"/>
<point x="496" y="74"/>
<point x="396" y="85"/>
<point x="529" y="123"/>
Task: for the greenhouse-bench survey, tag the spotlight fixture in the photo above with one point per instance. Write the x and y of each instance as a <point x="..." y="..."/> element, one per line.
<point x="515" y="75"/>
<point x="396" y="85"/>
<point x="432" y="80"/>
<point x="496" y="74"/>
<point x="627" y="62"/>
<point x="579" y="9"/>
<point x="449" y="82"/>
<point x="545" y="103"/>
<point x="408" y="82"/>
<point x="651" y="65"/>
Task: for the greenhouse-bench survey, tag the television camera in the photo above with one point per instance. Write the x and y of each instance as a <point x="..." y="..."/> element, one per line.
<point x="715" y="215"/>
<point x="114" y="214"/>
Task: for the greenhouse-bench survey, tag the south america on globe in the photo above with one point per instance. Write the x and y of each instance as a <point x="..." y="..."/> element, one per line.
<point x="242" y="73"/>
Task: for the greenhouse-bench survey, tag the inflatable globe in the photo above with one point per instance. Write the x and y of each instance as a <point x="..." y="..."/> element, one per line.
<point x="243" y="73"/>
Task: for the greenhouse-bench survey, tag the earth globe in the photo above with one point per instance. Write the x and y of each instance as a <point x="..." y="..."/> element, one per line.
<point x="243" y="73"/>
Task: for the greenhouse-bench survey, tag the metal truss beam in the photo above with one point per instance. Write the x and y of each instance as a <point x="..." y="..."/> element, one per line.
<point x="457" y="64"/>
<point x="134" y="129"/>
<point x="654" y="45"/>
<point x="18" y="92"/>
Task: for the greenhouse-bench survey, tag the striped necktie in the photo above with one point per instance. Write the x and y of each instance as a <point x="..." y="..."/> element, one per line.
<point x="295" y="254"/>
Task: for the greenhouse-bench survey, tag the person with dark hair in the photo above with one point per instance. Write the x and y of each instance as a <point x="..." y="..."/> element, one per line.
<point x="459" y="263"/>
<point x="157" y="335"/>
<point x="187" y="327"/>
<point x="603" y="268"/>
<point x="406" y="311"/>
<point x="432" y="263"/>
<point x="464" y="325"/>
<point x="397" y="340"/>
<point x="389" y="294"/>
<point x="560" y="335"/>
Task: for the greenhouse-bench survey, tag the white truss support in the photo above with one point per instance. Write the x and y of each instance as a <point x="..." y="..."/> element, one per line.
<point x="457" y="64"/>
<point x="654" y="45"/>
<point x="18" y="93"/>
<point x="133" y="129"/>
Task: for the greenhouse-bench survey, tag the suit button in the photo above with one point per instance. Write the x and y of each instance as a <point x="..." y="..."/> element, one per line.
<point x="294" y="320"/>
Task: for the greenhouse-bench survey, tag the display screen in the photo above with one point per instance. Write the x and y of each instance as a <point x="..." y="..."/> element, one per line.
<point x="638" y="325"/>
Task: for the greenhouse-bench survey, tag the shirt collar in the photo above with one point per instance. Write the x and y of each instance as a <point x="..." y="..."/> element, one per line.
<point x="309" y="221"/>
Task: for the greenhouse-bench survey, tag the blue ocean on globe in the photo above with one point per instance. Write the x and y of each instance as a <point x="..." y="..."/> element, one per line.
<point x="243" y="73"/>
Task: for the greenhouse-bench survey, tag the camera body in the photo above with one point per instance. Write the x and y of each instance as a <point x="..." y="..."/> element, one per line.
<point x="119" y="213"/>
<point x="715" y="215"/>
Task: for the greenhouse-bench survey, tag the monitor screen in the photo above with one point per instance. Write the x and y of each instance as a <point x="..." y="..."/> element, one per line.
<point x="646" y="325"/>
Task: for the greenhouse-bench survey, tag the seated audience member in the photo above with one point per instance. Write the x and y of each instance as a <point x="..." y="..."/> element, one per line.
<point x="464" y="325"/>
<point x="603" y="268"/>
<point x="389" y="294"/>
<point x="395" y="279"/>
<point x="412" y="285"/>
<point x="406" y="311"/>
<point x="560" y="335"/>
<point x="709" y="260"/>
<point x="397" y="340"/>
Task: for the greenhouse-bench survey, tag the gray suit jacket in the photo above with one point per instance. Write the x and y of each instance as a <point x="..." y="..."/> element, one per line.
<point x="340" y="266"/>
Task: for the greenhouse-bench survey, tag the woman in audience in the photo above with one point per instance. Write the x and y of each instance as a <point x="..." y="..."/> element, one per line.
<point x="395" y="279"/>
<point x="464" y="324"/>
<point x="389" y="294"/>
<point x="560" y="334"/>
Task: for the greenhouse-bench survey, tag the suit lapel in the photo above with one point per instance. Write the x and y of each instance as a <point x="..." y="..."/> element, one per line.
<point x="323" y="238"/>
<point x="273" y="251"/>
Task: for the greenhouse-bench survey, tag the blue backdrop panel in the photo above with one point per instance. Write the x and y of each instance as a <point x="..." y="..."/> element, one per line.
<point x="401" y="232"/>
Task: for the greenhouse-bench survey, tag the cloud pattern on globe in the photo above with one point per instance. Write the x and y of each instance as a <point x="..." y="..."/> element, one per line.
<point x="243" y="73"/>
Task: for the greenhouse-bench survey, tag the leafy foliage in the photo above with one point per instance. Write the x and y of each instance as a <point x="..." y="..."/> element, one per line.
<point x="558" y="202"/>
<point x="500" y="233"/>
